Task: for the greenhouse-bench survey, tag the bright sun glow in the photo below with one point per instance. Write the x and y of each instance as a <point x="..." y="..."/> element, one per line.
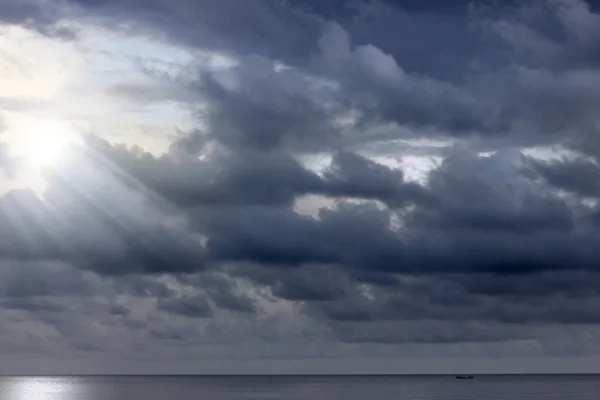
<point x="44" y="150"/>
<point x="44" y="143"/>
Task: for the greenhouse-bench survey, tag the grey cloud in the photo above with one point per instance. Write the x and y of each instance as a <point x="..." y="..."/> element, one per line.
<point x="256" y="107"/>
<point x="226" y="294"/>
<point x="22" y="280"/>
<point x="362" y="238"/>
<point x="119" y="310"/>
<point x="40" y="15"/>
<point x="143" y="287"/>
<point x="432" y="309"/>
<point x="188" y="143"/>
<point x="168" y="334"/>
<point x="194" y="307"/>
<point x="311" y="283"/>
<point x="223" y="290"/>
<point x="297" y="287"/>
<point x="383" y="90"/>
<point x="447" y="39"/>
<point x="557" y="106"/>
<point x="268" y="27"/>
<point x="560" y="33"/>
<point x="7" y="162"/>
<point x="351" y="175"/>
<point x="227" y="300"/>
<point x="424" y="332"/>
<point x="36" y="305"/>
<point x="289" y="30"/>
<point x="516" y="103"/>
<point x="574" y="284"/>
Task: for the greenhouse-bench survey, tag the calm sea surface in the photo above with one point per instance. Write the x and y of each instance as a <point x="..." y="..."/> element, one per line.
<point x="559" y="387"/>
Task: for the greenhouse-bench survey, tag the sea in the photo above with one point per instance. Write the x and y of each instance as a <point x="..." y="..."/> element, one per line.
<point x="485" y="387"/>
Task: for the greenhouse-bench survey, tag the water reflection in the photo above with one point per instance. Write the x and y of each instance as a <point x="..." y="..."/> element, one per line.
<point x="299" y="388"/>
<point x="38" y="388"/>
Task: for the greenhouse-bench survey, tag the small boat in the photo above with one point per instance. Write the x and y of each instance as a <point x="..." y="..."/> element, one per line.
<point x="465" y="377"/>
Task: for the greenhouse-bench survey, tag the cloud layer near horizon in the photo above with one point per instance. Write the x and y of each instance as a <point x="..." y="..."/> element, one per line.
<point x="356" y="180"/>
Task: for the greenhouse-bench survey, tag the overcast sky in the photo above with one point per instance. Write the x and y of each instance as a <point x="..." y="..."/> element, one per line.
<point x="268" y="186"/>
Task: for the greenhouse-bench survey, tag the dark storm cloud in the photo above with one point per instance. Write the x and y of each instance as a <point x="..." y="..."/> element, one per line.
<point x="579" y="175"/>
<point x="361" y="237"/>
<point x="249" y="178"/>
<point x="265" y="236"/>
<point x="492" y="195"/>
<point x="482" y="215"/>
<point x="236" y="179"/>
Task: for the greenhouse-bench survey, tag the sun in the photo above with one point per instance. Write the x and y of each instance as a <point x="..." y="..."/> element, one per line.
<point x="45" y="143"/>
<point x="44" y="150"/>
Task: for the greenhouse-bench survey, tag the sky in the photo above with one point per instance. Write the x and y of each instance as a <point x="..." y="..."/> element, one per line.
<point x="299" y="186"/>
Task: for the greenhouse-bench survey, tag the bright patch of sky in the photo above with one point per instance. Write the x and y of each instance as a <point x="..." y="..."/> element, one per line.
<point x="48" y="83"/>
